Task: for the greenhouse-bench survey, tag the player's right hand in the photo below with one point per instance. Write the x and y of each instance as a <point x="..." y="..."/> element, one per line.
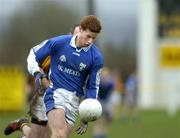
<point x="41" y="83"/>
<point x="82" y="128"/>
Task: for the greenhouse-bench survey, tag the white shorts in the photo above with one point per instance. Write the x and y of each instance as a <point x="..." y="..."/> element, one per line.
<point x="63" y="99"/>
<point x="39" y="110"/>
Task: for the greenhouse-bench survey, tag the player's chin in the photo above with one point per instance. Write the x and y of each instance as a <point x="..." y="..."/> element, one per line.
<point x="84" y="46"/>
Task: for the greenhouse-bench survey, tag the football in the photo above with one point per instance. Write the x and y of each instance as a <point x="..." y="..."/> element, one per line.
<point x="90" y="110"/>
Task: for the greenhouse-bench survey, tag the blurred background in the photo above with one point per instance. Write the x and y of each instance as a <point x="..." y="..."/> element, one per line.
<point x="140" y="41"/>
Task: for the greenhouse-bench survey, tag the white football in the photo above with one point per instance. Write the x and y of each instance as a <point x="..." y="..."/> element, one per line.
<point x="90" y="110"/>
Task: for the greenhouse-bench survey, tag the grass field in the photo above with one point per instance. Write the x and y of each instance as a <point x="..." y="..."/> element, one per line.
<point x="152" y="124"/>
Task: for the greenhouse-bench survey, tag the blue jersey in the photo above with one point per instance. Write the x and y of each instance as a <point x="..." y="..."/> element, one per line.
<point x="71" y="66"/>
<point x="131" y="89"/>
<point x="105" y="89"/>
<point x="131" y="85"/>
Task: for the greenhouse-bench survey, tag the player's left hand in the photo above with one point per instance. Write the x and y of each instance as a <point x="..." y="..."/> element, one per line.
<point x="82" y="128"/>
<point x="41" y="82"/>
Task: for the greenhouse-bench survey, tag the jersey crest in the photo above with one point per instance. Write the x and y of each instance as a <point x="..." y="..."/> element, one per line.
<point x="62" y="58"/>
<point x="82" y="66"/>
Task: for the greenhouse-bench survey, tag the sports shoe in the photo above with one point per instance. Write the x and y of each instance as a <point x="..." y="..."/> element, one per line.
<point x="15" y="125"/>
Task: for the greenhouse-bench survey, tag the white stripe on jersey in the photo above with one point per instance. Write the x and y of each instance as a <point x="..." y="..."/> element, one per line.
<point x="37" y="47"/>
<point x="32" y="63"/>
<point x="98" y="75"/>
<point x="31" y="60"/>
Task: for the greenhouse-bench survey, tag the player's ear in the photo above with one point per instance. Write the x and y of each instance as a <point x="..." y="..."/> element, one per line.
<point x="80" y="28"/>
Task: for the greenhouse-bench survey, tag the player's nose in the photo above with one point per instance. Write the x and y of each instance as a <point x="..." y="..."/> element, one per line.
<point x="90" y="41"/>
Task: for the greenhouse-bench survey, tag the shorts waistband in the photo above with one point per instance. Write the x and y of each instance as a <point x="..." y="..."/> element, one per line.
<point x="74" y="92"/>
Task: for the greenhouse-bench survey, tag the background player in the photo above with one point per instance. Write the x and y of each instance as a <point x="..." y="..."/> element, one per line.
<point x="131" y="96"/>
<point x="105" y="90"/>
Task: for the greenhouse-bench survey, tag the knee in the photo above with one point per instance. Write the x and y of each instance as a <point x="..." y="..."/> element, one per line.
<point x="59" y="134"/>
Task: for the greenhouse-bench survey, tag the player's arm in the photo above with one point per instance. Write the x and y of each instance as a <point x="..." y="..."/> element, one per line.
<point x="37" y="55"/>
<point x="35" y="58"/>
<point x="92" y="89"/>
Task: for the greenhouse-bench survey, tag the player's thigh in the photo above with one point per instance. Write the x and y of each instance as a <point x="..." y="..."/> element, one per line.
<point x="38" y="131"/>
<point x="57" y="121"/>
<point x="38" y="109"/>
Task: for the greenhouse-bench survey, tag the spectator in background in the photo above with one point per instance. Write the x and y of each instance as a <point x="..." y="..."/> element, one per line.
<point x="105" y="90"/>
<point x="117" y="97"/>
<point x="131" y="94"/>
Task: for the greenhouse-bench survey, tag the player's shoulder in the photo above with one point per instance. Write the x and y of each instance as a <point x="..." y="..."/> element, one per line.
<point x="96" y="52"/>
<point x="61" y="39"/>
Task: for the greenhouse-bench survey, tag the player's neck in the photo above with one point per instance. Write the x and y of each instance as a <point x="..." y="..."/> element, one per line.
<point x="77" y="41"/>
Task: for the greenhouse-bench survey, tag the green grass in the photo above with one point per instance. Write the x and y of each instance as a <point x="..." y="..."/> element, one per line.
<point x="152" y="124"/>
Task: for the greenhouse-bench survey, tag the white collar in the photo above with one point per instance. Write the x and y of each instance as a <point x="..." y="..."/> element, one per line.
<point x="72" y="43"/>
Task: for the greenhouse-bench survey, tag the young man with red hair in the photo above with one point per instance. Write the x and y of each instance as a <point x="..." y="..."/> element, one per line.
<point x="74" y="59"/>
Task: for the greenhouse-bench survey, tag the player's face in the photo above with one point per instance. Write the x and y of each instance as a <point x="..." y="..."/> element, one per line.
<point x="86" y="37"/>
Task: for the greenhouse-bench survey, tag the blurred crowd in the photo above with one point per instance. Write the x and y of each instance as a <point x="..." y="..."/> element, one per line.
<point x="118" y="97"/>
